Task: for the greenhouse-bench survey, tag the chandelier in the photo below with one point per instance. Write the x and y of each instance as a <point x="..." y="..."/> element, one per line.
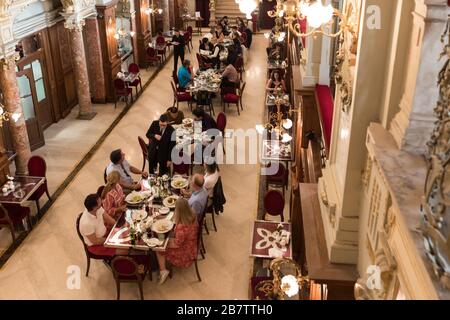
<point x="277" y="120"/>
<point x="317" y="16"/>
<point x="6" y="116"/>
<point x="247" y="6"/>
<point x="122" y="33"/>
<point x="152" y="10"/>
<point x="287" y="281"/>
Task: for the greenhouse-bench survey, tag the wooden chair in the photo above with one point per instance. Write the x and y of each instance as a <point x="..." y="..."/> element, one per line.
<point x="221" y="126"/>
<point x="190" y="31"/>
<point x="6" y="222"/>
<point x="179" y="96"/>
<point x="127" y="269"/>
<point x="187" y="40"/>
<point x="37" y="167"/>
<point x="279" y="179"/>
<point x="152" y="57"/>
<point x="144" y="149"/>
<point x="121" y="90"/>
<point x="161" y="41"/>
<point x="89" y="255"/>
<point x="231" y="98"/>
<point x="274" y="204"/>
<point x="134" y="68"/>
<point x="239" y="65"/>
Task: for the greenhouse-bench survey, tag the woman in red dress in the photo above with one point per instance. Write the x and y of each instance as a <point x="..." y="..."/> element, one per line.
<point x="113" y="198"/>
<point x="182" y="249"/>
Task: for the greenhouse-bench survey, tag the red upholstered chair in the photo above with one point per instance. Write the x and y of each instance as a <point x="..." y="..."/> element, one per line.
<point x="100" y="190"/>
<point x="152" y="57"/>
<point x="38" y="168"/>
<point x="89" y="255"/>
<point x="221" y="126"/>
<point x="177" y="84"/>
<point x="180" y="96"/>
<point x="134" y="68"/>
<point x="161" y="42"/>
<point x="274" y="204"/>
<point x="182" y="168"/>
<point x="127" y="269"/>
<point x="5" y="221"/>
<point x="144" y="149"/>
<point x="279" y="179"/>
<point x="239" y="65"/>
<point x="187" y="40"/>
<point x="201" y="62"/>
<point x="231" y="98"/>
<point x="190" y="31"/>
<point x="244" y="39"/>
<point x="121" y="90"/>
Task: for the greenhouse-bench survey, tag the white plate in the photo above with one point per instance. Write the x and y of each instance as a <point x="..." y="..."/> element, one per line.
<point x="134" y="198"/>
<point x="162" y="226"/>
<point x="188" y="121"/>
<point x="166" y="201"/>
<point x="139" y="214"/>
<point x="179" y="183"/>
<point x="164" y="210"/>
<point x="151" y="242"/>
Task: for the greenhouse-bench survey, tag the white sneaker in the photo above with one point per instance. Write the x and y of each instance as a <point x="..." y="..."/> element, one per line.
<point x="163" y="276"/>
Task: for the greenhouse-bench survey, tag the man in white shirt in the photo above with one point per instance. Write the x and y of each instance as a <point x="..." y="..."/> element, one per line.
<point x="211" y="177"/>
<point x="119" y="164"/>
<point x="95" y="225"/>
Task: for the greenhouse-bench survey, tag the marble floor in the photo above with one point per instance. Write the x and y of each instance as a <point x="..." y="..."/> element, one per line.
<point x="39" y="267"/>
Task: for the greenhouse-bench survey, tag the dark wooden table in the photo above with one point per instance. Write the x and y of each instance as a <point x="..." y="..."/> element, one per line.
<point x="261" y="235"/>
<point x="26" y="185"/>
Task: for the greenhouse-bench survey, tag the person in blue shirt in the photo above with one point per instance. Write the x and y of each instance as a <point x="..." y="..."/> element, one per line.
<point x="184" y="74"/>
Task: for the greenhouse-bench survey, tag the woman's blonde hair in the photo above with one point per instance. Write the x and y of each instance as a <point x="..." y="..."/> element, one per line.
<point x="183" y="212"/>
<point x="112" y="179"/>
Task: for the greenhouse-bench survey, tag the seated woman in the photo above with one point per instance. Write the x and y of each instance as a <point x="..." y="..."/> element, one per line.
<point x="230" y="76"/>
<point x="174" y="115"/>
<point x="182" y="249"/>
<point x="275" y="83"/>
<point x="113" y="198"/>
<point x="218" y="34"/>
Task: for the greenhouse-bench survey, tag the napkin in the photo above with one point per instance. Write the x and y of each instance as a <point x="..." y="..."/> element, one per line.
<point x="275" y="253"/>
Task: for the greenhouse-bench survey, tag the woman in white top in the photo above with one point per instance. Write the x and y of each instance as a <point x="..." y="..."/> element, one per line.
<point x="211" y="177"/>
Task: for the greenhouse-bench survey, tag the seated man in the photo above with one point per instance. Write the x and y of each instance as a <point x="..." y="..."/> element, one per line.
<point x="208" y="122"/>
<point x="199" y="196"/>
<point x="184" y="74"/>
<point x="230" y="76"/>
<point x="206" y="45"/>
<point x="174" y="115"/>
<point x="95" y="225"/>
<point x="119" y="164"/>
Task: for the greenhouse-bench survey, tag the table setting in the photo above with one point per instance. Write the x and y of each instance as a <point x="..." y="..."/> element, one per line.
<point x="271" y="240"/>
<point x="276" y="150"/>
<point x="187" y="135"/>
<point x="208" y="80"/>
<point x="18" y="189"/>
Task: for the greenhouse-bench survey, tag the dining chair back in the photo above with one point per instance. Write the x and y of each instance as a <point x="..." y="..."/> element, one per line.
<point x="279" y="178"/>
<point x="180" y="96"/>
<point x="221" y="126"/>
<point x="105" y="175"/>
<point x="125" y="269"/>
<point x="37" y="167"/>
<point x="152" y="56"/>
<point x="274" y="204"/>
<point x="121" y="90"/>
<point x="144" y="149"/>
<point x="133" y="68"/>
<point x="6" y="222"/>
<point x="187" y="39"/>
<point x="100" y="191"/>
<point x="160" y="40"/>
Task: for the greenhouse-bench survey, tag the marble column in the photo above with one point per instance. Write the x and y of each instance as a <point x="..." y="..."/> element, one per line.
<point x="310" y="69"/>
<point x="166" y="20"/>
<point x="81" y="73"/>
<point x="18" y="129"/>
<point x="95" y="61"/>
<point x="212" y="13"/>
<point x="413" y="124"/>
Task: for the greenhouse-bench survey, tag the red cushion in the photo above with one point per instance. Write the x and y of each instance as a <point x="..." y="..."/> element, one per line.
<point x="231" y="98"/>
<point x="184" y="96"/>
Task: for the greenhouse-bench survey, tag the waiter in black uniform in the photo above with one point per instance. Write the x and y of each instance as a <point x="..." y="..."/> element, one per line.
<point x="178" y="49"/>
<point x="161" y="145"/>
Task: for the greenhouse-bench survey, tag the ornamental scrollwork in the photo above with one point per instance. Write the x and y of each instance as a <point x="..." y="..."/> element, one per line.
<point x="436" y="201"/>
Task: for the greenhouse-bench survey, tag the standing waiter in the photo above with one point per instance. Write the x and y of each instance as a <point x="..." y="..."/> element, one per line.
<point x="161" y="145"/>
<point x="178" y="48"/>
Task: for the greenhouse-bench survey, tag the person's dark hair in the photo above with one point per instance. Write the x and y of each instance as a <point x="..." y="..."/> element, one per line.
<point x="230" y="61"/>
<point x="172" y="109"/>
<point x="205" y="40"/>
<point x="198" y="112"/>
<point x="115" y="156"/>
<point x="272" y="76"/>
<point x="211" y="167"/>
<point x="186" y="62"/>
<point x="163" y="118"/>
<point x="91" y="201"/>
<point x="176" y="30"/>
